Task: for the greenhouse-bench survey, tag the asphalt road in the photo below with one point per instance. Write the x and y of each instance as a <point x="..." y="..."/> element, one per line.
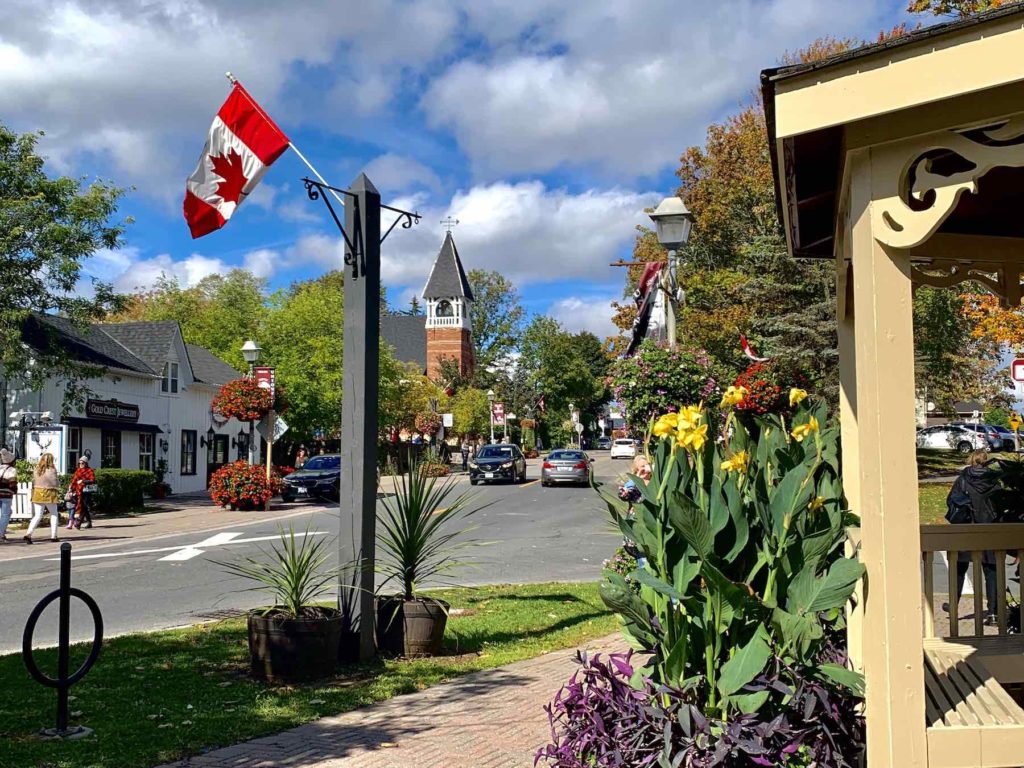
<point x="532" y="534"/>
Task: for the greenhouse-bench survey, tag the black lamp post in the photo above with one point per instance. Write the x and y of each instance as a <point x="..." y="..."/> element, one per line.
<point x="251" y="352"/>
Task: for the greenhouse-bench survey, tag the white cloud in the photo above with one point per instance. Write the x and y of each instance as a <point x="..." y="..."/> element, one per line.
<point x="130" y="274"/>
<point x="261" y="262"/>
<point x="395" y="173"/>
<point x="616" y="85"/>
<point x="526" y="231"/>
<point x="592" y="314"/>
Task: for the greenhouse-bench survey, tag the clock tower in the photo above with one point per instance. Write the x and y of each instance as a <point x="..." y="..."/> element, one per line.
<point x="448" y="325"/>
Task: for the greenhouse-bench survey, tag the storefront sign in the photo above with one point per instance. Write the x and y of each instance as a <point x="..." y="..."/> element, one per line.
<point x="111" y="410"/>
<point x="498" y="413"/>
<point x="265" y="378"/>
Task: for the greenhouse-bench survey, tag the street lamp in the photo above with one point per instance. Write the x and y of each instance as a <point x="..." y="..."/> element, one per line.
<point x="673" y="222"/>
<point x="251" y="352"/>
<point x="490" y="411"/>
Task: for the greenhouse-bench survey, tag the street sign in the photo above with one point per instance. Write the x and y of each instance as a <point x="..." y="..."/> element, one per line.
<point x="265" y="378"/>
<point x="280" y="427"/>
<point x="448" y="420"/>
<point x="579" y="428"/>
<point x="1017" y="370"/>
<point x="1015" y="422"/>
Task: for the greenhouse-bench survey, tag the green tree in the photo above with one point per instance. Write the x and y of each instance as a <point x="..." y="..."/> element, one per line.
<point x="959" y="8"/>
<point x="497" y="318"/>
<point x="470" y="412"/>
<point x="567" y="368"/>
<point x="49" y="227"/>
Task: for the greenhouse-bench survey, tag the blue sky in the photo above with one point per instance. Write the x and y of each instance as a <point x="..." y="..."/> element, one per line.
<point x="545" y="127"/>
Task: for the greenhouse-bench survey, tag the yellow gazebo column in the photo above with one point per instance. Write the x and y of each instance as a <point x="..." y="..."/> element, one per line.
<point x="885" y="488"/>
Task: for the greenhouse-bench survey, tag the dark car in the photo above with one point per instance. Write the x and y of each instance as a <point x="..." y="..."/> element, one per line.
<point x="319" y="478"/>
<point x="497" y="462"/>
<point x="565" y="466"/>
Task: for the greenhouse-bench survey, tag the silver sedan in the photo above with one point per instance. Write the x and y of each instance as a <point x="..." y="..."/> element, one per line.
<point x="565" y="466"/>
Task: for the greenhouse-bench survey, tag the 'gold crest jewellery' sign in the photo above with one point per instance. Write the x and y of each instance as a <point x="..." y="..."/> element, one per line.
<point x="111" y="410"/>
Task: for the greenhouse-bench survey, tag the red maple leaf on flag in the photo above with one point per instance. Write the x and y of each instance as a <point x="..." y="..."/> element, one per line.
<point x="229" y="168"/>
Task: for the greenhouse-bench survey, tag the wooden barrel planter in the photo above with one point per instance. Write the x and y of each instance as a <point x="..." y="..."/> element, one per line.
<point x="285" y="650"/>
<point x="411" y="628"/>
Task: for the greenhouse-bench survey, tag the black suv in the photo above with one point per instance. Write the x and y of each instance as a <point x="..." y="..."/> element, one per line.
<point x="497" y="462"/>
<point x="319" y="478"/>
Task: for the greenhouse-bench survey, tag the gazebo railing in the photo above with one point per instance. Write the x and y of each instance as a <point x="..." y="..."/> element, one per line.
<point x="1001" y="539"/>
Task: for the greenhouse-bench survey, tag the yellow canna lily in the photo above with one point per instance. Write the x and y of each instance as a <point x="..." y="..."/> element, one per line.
<point x="803" y="430"/>
<point x="666" y="425"/>
<point x="694" y="438"/>
<point x="738" y="462"/>
<point x="733" y="396"/>
<point x="816" y="503"/>
<point x="796" y="396"/>
<point x="690" y="416"/>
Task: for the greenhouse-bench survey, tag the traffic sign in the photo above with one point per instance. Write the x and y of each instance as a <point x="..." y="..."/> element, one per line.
<point x="1015" y="422"/>
<point x="1017" y="370"/>
<point x="579" y="428"/>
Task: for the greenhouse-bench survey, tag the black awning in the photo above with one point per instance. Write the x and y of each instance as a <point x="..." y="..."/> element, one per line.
<point x="124" y="426"/>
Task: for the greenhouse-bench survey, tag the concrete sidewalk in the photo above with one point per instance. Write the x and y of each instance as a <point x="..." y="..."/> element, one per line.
<point x="490" y="719"/>
<point x="172" y="516"/>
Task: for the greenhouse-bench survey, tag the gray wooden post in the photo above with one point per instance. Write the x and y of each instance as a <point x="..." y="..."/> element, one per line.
<point x="361" y="360"/>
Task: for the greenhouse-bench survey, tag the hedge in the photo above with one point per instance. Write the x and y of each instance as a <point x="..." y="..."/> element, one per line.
<point x="121" y="490"/>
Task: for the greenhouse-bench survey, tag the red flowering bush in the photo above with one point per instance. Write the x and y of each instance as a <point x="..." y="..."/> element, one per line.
<point x="767" y="389"/>
<point x="242" y="399"/>
<point x="428" y="423"/>
<point x="284" y="471"/>
<point x="242" y="486"/>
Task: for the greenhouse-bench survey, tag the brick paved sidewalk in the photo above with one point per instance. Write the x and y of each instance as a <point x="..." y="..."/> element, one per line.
<point x="490" y="719"/>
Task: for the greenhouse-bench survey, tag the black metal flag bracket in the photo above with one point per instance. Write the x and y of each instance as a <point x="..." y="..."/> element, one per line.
<point x="64" y="680"/>
<point x="354" y="240"/>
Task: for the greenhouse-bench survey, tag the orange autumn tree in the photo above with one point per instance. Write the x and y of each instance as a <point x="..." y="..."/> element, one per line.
<point x="991" y="320"/>
<point x="958" y="8"/>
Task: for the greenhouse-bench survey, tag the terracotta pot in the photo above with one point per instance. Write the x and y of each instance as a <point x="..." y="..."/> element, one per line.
<point x="283" y="650"/>
<point x="411" y="628"/>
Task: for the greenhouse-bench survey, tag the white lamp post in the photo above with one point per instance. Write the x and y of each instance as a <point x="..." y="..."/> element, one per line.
<point x="251" y="352"/>
<point x="673" y="222"/>
<point x="490" y="411"/>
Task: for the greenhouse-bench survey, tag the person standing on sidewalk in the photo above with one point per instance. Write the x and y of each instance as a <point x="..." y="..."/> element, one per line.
<point x="45" y="496"/>
<point x="465" y="453"/>
<point x="83" y="482"/>
<point x="8" y="488"/>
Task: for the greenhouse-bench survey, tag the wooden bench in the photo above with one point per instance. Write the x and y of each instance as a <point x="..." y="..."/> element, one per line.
<point x="971" y="719"/>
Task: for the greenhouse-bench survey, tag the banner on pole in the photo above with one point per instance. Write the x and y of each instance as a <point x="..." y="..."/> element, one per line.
<point x="498" y="414"/>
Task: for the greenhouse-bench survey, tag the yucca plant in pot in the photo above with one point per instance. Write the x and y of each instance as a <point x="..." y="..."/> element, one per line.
<point x="419" y="537"/>
<point x="293" y="639"/>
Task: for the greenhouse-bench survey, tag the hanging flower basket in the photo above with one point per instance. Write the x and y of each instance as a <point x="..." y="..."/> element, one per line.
<point x="242" y="486"/>
<point x="428" y="423"/>
<point x="766" y="390"/>
<point x="242" y="399"/>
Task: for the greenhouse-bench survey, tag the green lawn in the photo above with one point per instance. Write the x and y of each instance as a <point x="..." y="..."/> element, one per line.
<point x="932" y="502"/>
<point x="933" y="463"/>
<point x="157" y="697"/>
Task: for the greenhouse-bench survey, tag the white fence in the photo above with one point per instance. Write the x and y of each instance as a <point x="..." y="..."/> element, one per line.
<point x="22" y="505"/>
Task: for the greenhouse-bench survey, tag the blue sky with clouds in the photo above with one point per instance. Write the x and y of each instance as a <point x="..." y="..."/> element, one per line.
<point x="544" y="126"/>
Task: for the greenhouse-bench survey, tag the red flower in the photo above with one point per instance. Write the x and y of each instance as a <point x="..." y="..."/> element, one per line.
<point x="242" y="485"/>
<point x="242" y="399"/>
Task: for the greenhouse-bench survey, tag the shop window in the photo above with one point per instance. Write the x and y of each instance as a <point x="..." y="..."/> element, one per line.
<point x="110" y="455"/>
<point x="170" y="378"/>
<point x="74" y="448"/>
<point x="188" y="451"/>
<point x="146" y="451"/>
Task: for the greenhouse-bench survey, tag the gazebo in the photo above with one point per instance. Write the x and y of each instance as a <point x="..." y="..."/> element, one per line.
<point x="904" y="163"/>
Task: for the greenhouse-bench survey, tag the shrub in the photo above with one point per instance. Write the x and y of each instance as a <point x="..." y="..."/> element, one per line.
<point x="122" y="490"/>
<point x="242" y="399"/>
<point x="656" y="380"/>
<point x="241" y="485"/>
<point x="603" y="718"/>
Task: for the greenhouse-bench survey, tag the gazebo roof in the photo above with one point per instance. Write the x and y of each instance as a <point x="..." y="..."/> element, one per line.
<point x="905" y="86"/>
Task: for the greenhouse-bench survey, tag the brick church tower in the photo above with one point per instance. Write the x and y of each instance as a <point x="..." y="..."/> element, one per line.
<point x="448" y="296"/>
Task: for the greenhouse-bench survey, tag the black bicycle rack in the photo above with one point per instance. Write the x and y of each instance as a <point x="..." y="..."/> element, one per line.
<point x="63" y="681"/>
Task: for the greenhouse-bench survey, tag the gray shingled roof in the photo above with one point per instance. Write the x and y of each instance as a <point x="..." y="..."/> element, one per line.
<point x="447" y="278"/>
<point x="408" y="335"/>
<point x="208" y="368"/>
<point x="90" y="345"/>
<point x="149" y="340"/>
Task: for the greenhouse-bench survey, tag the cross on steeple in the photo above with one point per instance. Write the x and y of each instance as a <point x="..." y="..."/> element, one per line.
<point x="449" y="223"/>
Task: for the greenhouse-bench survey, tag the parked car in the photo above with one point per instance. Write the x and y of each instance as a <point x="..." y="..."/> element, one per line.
<point x="565" y="466"/>
<point x="604" y="443"/>
<point x="497" y="462"/>
<point x="1007" y="435"/>
<point x="623" y="448"/>
<point x="949" y="438"/>
<point x="319" y="478"/>
<point x="995" y="440"/>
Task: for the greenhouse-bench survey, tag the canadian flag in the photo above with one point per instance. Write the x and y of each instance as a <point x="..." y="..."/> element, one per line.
<point x="242" y="144"/>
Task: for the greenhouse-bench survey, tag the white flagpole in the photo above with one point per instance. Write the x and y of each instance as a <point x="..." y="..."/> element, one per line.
<point x="302" y="157"/>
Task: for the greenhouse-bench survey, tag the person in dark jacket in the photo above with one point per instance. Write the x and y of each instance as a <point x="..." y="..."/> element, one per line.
<point x="978" y="482"/>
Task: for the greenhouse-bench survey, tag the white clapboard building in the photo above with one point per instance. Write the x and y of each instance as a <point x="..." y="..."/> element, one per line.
<point x="152" y="405"/>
